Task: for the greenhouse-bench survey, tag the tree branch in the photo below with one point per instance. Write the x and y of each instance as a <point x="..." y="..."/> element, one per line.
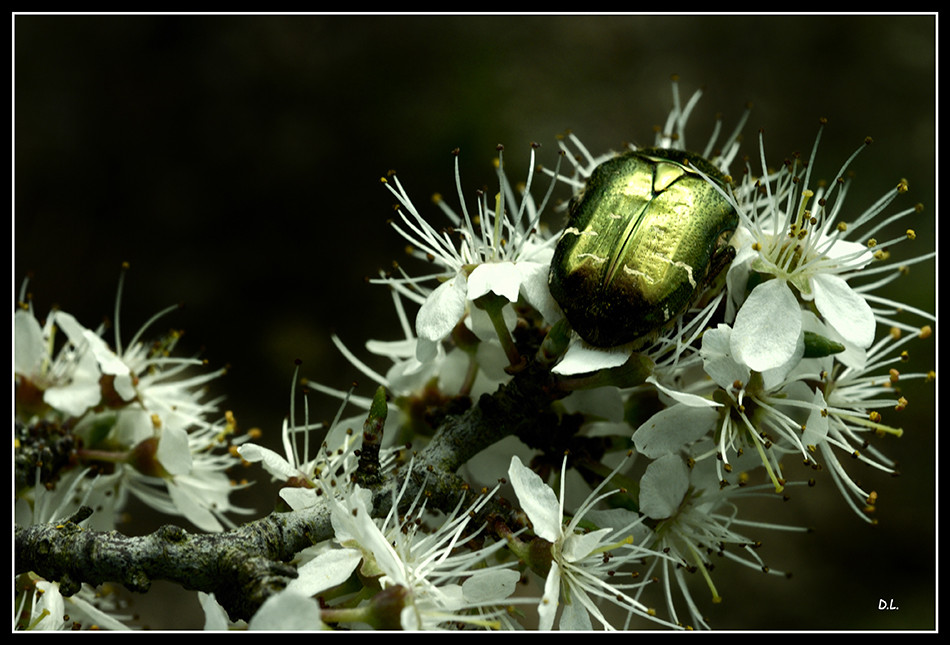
<point x="244" y="566"/>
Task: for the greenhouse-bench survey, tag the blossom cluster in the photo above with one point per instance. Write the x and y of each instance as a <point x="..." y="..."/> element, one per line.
<point x="607" y="517"/>
<point x="792" y="354"/>
<point x="96" y="424"/>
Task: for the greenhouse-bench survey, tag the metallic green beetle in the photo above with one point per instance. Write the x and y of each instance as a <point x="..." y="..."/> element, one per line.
<point x="643" y="240"/>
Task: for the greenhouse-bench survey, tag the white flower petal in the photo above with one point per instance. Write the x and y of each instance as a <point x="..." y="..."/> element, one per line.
<point x="581" y="358"/>
<point x="427" y="350"/>
<point x="491" y="585"/>
<point x="51" y="606"/>
<point x="578" y="546"/>
<point x="537" y="499"/>
<point x="672" y="429"/>
<point x="287" y="611"/>
<point x="442" y="310"/>
<point x="663" y="486"/>
<point x="501" y="278"/>
<point x="767" y="327"/>
<point x="272" y="462"/>
<point x="844" y="309"/>
<point x="344" y="512"/>
<point x="325" y="571"/>
<point x="618" y="519"/>
<point x="84" y="392"/>
<point x="29" y="350"/>
<point x="534" y="288"/>
<point x="298" y="498"/>
<point x="409" y="375"/>
<point x="174" y="451"/>
<point x="216" y="618"/>
<point x="547" y="608"/>
<point x="737" y="277"/>
<point x="111" y="364"/>
<point x="129" y="426"/>
<point x="354" y="526"/>
<point x="717" y="358"/>
<point x="816" y="428"/>
<point x="774" y="377"/>
<point x="186" y="501"/>
<point x="574" y="616"/>
<point x="68" y="323"/>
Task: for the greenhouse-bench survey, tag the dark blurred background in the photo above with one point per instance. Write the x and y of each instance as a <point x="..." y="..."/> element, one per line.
<point x="234" y="162"/>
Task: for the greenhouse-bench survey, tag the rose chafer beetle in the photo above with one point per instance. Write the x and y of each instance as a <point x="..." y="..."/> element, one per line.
<point x="643" y="241"/>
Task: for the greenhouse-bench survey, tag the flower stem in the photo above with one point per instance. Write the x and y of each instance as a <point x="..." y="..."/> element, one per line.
<point x="494" y="305"/>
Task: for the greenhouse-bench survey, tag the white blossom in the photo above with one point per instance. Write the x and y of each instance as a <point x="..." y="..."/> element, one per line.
<point x="443" y="578"/>
<point x="693" y="518"/>
<point x="138" y="408"/>
<point x="581" y="565"/>
<point x="848" y="408"/>
<point x="68" y="379"/>
<point x="500" y="250"/>
<point x="797" y="235"/>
